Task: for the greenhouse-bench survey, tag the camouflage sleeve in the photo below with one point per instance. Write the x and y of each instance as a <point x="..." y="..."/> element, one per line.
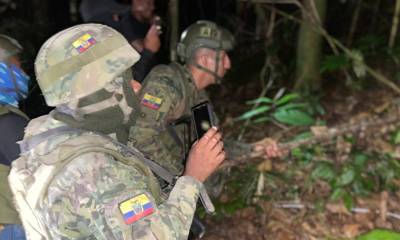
<point x="159" y="99"/>
<point x="99" y="198"/>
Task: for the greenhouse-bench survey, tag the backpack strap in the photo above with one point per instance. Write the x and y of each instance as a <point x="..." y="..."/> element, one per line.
<point x="4" y="109"/>
<point x="30" y="143"/>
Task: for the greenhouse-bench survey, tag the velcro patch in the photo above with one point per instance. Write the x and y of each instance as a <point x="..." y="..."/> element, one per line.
<point x="84" y="42"/>
<point x="136" y="208"/>
<point x="151" y="101"/>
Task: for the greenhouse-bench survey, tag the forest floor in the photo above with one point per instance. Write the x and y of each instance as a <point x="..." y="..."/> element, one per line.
<point x="279" y="200"/>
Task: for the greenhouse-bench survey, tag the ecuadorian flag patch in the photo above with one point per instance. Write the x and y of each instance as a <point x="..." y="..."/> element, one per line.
<point x="136" y="208"/>
<point x="151" y="101"/>
<point x="84" y="42"/>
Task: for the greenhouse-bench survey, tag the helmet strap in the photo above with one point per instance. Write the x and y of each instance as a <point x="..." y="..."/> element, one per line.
<point x="214" y="73"/>
<point x="107" y="121"/>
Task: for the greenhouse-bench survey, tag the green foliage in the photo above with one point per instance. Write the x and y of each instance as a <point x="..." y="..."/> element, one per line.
<point x="303" y="156"/>
<point x="241" y="184"/>
<point x="303" y="136"/>
<point x="323" y="170"/>
<point x="293" y="117"/>
<point x="359" y="176"/>
<point x="231" y="207"/>
<point x="368" y="44"/>
<point x="285" y="109"/>
<point x="346" y="177"/>
<point x="396" y="137"/>
<point x="380" y="234"/>
<point x="334" y="62"/>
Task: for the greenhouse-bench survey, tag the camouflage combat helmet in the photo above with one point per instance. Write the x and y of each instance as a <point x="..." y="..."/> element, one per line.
<point x="8" y="47"/>
<point x="204" y="34"/>
<point x="81" y="60"/>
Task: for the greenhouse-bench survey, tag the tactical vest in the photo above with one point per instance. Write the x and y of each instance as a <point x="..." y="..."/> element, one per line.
<point x="31" y="181"/>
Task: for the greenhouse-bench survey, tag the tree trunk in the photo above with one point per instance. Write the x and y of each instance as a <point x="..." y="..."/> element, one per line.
<point x="174" y="16"/>
<point x="261" y="21"/>
<point x="354" y="22"/>
<point x="309" y="46"/>
<point x="395" y="24"/>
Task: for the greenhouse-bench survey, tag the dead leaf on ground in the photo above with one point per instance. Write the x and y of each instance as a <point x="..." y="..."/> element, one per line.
<point x="265" y="166"/>
<point x="338" y="208"/>
<point x="351" y="230"/>
<point x="319" y="131"/>
<point x="383" y="106"/>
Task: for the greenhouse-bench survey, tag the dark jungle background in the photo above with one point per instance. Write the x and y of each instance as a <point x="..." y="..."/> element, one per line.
<point x="321" y="74"/>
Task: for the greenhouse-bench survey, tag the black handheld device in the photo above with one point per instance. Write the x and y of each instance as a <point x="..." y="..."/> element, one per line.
<point x="202" y="117"/>
<point x="158" y="22"/>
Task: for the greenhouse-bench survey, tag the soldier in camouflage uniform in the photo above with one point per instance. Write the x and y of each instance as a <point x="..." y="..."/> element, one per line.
<point x="13" y="89"/>
<point x="169" y="92"/>
<point x="73" y="179"/>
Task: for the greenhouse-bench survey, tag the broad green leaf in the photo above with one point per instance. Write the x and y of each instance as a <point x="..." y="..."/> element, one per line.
<point x="337" y="193"/>
<point x="369" y="184"/>
<point x="320" y="109"/>
<point x="380" y="234"/>
<point x="348" y="201"/>
<point x="359" y="188"/>
<point x="287" y="98"/>
<point x="292" y="106"/>
<point x="302" y="136"/>
<point x="297" y="152"/>
<point x="262" y="119"/>
<point x="360" y="160"/>
<point x="293" y="117"/>
<point x="346" y="177"/>
<point x="260" y="100"/>
<point x="254" y="112"/>
<point x="396" y="139"/>
<point x="323" y="171"/>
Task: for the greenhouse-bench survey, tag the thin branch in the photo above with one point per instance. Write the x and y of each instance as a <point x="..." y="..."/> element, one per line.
<point x="296" y="205"/>
<point x="247" y="154"/>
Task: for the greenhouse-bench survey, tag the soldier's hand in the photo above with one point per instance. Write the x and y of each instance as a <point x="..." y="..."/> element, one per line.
<point x="205" y="156"/>
<point x="135" y="85"/>
<point x="152" y="40"/>
<point x="269" y="147"/>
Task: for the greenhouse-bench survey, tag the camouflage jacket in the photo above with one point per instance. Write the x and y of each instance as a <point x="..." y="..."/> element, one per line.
<point x="90" y="195"/>
<point x="15" y="125"/>
<point x="167" y="94"/>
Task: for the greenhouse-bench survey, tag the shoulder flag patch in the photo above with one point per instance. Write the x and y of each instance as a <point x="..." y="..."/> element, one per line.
<point x="84" y="42"/>
<point x="151" y="101"/>
<point x="136" y="208"/>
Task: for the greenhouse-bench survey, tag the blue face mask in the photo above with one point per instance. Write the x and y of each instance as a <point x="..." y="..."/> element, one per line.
<point x="13" y="84"/>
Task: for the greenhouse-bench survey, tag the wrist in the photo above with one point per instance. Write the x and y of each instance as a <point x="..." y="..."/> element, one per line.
<point x="147" y="53"/>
